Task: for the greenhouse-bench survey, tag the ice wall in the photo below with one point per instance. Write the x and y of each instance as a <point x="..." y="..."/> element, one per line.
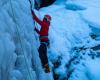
<point x="19" y="58"/>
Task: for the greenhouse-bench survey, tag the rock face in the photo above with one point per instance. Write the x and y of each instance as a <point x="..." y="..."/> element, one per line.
<point x="45" y="3"/>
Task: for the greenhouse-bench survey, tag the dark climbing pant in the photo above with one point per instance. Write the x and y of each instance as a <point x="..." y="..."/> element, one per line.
<point x="43" y="53"/>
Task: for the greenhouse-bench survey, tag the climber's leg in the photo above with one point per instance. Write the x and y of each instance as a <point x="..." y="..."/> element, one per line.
<point x="43" y="56"/>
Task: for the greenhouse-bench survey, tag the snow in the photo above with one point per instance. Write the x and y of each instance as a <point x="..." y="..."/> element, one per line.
<point x="93" y="69"/>
<point x="91" y="14"/>
<point x="70" y="43"/>
<point x="70" y="31"/>
<point x="74" y="6"/>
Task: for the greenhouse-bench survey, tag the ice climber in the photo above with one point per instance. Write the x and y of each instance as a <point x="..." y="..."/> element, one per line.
<point x="43" y="37"/>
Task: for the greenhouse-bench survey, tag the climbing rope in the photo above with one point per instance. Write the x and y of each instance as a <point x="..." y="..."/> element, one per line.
<point x="30" y="4"/>
<point x="17" y="32"/>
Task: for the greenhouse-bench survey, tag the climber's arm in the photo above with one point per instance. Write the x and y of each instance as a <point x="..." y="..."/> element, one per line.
<point x="37" y="30"/>
<point x="36" y="18"/>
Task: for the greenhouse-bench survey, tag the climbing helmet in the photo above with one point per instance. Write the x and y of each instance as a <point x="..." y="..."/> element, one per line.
<point x="47" y="17"/>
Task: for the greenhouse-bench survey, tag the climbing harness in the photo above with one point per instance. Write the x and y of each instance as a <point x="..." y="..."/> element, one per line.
<point x="42" y="37"/>
<point x="17" y="32"/>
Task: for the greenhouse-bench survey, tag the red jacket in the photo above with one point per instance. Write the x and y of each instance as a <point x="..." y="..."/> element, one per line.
<point x="44" y="27"/>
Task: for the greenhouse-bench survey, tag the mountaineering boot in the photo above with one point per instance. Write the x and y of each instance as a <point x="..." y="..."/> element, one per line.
<point x="46" y="68"/>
